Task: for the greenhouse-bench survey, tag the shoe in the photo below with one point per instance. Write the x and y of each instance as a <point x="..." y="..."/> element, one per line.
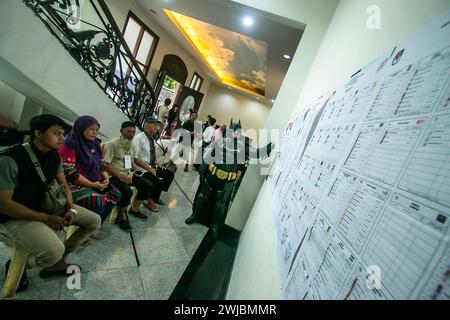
<point x="124" y="225"/>
<point x="23" y="284"/>
<point x="86" y="243"/>
<point x="186" y="169"/>
<point x="214" y="233"/>
<point x="190" y="220"/>
<point x="138" y="215"/>
<point x="161" y="202"/>
<point x="44" y="274"/>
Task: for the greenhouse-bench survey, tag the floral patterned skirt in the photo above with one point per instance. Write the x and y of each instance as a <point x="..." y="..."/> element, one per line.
<point x="93" y="199"/>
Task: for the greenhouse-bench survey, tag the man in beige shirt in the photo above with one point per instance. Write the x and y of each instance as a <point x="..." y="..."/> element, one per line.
<point x="121" y="163"/>
<point x="163" y="111"/>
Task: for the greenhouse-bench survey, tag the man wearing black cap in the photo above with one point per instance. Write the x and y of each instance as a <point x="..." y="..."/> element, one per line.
<point x="144" y="144"/>
<point x="218" y="173"/>
<point x="120" y="159"/>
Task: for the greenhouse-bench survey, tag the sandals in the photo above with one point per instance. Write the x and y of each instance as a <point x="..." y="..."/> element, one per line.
<point x="97" y="236"/>
<point x="44" y="274"/>
<point x="148" y="207"/>
<point x="23" y="284"/>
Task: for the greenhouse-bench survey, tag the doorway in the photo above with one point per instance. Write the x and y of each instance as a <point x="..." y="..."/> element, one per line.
<point x="172" y="75"/>
<point x="169" y="90"/>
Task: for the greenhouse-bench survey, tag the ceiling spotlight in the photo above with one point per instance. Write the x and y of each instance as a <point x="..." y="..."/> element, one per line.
<point x="273" y="100"/>
<point x="247" y="21"/>
<point x="286" y="56"/>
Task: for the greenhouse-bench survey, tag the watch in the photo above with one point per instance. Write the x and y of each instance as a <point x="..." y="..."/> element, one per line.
<point x="74" y="211"/>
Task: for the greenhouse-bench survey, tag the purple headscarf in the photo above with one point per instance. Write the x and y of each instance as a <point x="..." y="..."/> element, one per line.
<point x="89" y="153"/>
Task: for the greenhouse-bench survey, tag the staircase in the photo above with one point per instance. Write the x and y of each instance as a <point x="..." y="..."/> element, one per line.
<point x="91" y="36"/>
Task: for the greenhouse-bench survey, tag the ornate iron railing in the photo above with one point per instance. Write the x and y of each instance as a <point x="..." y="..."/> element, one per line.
<point x="91" y="35"/>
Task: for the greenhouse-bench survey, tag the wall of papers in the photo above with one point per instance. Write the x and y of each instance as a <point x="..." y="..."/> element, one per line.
<point x="361" y="189"/>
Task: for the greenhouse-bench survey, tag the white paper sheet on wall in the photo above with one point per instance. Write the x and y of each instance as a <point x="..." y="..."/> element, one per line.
<point x="362" y="187"/>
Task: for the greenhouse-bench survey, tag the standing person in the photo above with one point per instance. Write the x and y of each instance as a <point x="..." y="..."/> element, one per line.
<point x="207" y="138"/>
<point x="163" y="111"/>
<point x="144" y="144"/>
<point x="185" y="117"/>
<point x="208" y="133"/>
<point x="218" y="173"/>
<point x="207" y="123"/>
<point x="219" y="133"/>
<point x="87" y="176"/>
<point x="120" y="158"/>
<point x="189" y="126"/>
<point x="173" y="113"/>
<point x="23" y="222"/>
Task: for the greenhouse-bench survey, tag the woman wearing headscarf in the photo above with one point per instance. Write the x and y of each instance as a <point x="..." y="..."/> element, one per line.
<point x="88" y="180"/>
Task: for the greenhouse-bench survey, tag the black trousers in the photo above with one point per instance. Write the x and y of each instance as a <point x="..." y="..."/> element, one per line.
<point x="161" y="182"/>
<point x="145" y="190"/>
<point x="167" y="178"/>
<point x="157" y="185"/>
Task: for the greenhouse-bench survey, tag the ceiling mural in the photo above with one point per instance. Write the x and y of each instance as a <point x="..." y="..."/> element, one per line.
<point x="238" y="60"/>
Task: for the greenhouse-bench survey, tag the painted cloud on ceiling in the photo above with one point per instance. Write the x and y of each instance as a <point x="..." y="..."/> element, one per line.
<point x="238" y="60"/>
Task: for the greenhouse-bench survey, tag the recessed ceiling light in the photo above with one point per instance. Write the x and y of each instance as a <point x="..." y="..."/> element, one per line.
<point x="273" y="100"/>
<point x="286" y="56"/>
<point x="248" y="21"/>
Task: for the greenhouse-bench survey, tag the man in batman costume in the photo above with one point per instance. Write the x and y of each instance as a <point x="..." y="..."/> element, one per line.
<point x="218" y="174"/>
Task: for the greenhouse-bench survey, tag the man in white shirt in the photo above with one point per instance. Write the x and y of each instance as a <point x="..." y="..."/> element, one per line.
<point x="207" y="138"/>
<point x="209" y="132"/>
<point x="144" y="145"/>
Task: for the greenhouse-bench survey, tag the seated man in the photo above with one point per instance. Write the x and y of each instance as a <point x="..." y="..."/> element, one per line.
<point x="144" y="144"/>
<point x="22" y="220"/>
<point x="120" y="159"/>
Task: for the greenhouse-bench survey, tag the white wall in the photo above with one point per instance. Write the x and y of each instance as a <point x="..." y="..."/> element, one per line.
<point x="224" y="104"/>
<point x="11" y="102"/>
<point x="316" y="15"/>
<point x="166" y="44"/>
<point x="30" y="110"/>
<point x="33" y="56"/>
<point x="347" y="46"/>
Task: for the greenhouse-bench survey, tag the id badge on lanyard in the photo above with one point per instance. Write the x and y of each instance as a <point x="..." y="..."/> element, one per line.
<point x="127" y="163"/>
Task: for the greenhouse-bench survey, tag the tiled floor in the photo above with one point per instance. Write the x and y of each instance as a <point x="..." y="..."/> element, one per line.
<point x="110" y="270"/>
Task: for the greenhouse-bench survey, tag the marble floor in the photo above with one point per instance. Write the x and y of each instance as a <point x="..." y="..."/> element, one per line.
<point x="144" y="264"/>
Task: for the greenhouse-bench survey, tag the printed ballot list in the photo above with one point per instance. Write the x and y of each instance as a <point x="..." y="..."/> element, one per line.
<point x="361" y="190"/>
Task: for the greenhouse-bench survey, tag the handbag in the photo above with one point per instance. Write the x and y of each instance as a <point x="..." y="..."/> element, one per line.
<point x="55" y="199"/>
<point x="170" y="166"/>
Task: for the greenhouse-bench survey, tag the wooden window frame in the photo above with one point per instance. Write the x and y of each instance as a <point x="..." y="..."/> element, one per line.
<point x="144" y="28"/>
<point x="193" y="83"/>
